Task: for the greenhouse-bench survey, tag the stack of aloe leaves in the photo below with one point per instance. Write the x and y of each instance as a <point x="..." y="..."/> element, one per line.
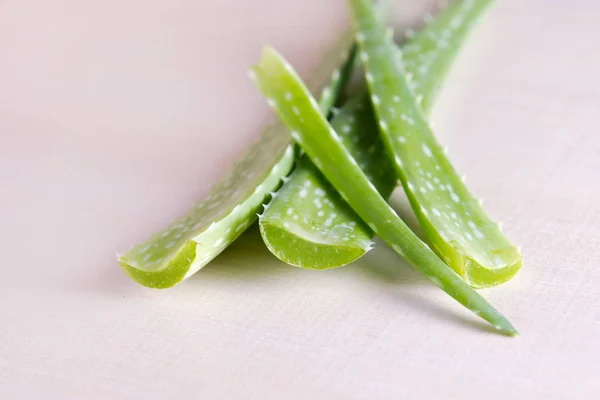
<point x="319" y="178"/>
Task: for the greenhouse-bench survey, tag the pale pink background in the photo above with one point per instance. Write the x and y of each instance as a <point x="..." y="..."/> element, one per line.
<point x="115" y="116"/>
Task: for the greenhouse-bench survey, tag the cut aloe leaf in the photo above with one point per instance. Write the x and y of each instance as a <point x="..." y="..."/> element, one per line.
<point x="308" y="224"/>
<point x="184" y="247"/>
<point x="456" y="225"/>
<point x="285" y="92"/>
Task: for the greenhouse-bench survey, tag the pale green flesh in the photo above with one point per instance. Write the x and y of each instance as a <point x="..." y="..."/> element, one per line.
<point x="189" y="243"/>
<point x="452" y="218"/>
<point x="284" y="90"/>
<point x="428" y="61"/>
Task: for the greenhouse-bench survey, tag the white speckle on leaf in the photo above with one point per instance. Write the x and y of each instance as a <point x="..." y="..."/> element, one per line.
<point x="335" y="75"/>
<point x="426" y="150"/>
<point x="398" y="161"/>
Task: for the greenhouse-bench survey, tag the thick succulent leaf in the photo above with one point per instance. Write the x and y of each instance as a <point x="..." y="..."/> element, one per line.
<point x="308" y="224"/>
<point x="298" y="229"/>
<point x="286" y="93"/>
<point x="454" y="221"/>
<point x="189" y="243"/>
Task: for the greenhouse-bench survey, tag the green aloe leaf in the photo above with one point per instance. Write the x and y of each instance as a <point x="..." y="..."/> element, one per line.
<point x="189" y="243"/>
<point x="453" y="220"/>
<point x="308" y="224"/>
<point x="286" y="93"/>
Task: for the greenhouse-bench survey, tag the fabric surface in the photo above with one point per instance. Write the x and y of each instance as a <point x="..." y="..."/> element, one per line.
<point x="116" y="116"/>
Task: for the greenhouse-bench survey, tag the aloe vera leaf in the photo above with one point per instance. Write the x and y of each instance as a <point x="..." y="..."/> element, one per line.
<point x="308" y="224"/>
<point x="456" y="225"/>
<point x="284" y="90"/>
<point x="189" y="243"/>
<point x="298" y="226"/>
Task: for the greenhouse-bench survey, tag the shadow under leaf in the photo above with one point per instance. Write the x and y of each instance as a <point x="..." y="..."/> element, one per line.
<point x="246" y="258"/>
